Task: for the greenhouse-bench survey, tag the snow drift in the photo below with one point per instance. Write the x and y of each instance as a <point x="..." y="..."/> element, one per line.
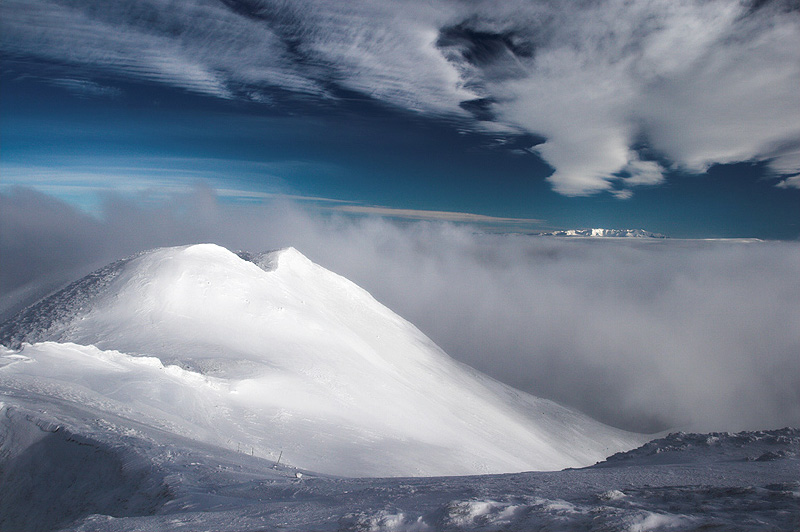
<point x="275" y="356"/>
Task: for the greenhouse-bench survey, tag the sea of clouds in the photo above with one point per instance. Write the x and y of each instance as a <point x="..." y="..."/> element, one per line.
<point x="642" y="334"/>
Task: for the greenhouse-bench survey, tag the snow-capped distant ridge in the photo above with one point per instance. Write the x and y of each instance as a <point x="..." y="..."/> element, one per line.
<point x="602" y="233"/>
<point x="277" y="354"/>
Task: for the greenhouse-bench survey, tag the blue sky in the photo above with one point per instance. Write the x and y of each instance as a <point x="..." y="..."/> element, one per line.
<point x="682" y="119"/>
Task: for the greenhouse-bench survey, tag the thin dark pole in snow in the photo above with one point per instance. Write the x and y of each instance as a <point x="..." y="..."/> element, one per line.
<point x="279" y="459"/>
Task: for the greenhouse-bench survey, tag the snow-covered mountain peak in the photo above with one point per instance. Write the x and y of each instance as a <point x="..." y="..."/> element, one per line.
<point x="303" y="361"/>
<point x="290" y="258"/>
<point x="174" y="294"/>
<point x="213" y="263"/>
<point x="286" y="258"/>
<point x="207" y="250"/>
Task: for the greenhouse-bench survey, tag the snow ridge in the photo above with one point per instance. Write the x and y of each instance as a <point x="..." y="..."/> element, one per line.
<point x="679" y="447"/>
<point x="301" y="360"/>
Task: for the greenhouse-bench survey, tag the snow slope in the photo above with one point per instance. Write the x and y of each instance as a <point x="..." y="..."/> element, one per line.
<point x="276" y="356"/>
<point x="108" y="474"/>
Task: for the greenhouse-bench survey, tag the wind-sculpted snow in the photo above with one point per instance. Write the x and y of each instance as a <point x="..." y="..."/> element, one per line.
<point x="280" y="356"/>
<point x="51" y="476"/>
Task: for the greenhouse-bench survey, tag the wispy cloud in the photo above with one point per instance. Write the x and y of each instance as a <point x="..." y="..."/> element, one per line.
<point x="790" y="182"/>
<point x="200" y="46"/>
<point x="85" y="180"/>
<point x="87" y="88"/>
<point x="698" y="82"/>
<point x="439" y="216"/>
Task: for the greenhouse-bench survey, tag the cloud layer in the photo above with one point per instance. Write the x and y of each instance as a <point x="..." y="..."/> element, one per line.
<point x="697" y="82"/>
<point x="645" y="335"/>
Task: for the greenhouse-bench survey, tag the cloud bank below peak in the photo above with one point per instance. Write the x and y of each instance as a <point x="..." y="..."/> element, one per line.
<point x="644" y="334"/>
<point x="697" y="83"/>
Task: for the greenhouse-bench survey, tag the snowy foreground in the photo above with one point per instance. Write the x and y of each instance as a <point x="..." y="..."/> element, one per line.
<point x="195" y="389"/>
<point x="53" y="478"/>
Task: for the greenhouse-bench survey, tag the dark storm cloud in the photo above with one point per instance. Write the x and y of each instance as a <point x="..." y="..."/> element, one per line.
<point x="704" y="82"/>
<point x="641" y="334"/>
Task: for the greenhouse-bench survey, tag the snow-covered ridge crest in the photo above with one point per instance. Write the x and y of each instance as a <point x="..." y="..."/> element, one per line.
<point x="681" y="447"/>
<point x="270" y="260"/>
<point x="302" y="361"/>
<point x="46" y="319"/>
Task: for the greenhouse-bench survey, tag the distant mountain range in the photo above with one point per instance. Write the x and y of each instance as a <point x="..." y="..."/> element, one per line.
<point x="603" y="233"/>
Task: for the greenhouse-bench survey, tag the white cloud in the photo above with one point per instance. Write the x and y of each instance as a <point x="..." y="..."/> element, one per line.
<point x="643" y="172"/>
<point x="734" y="101"/>
<point x="386" y="51"/>
<point x="703" y="82"/>
<point x="790" y="182"/>
<point x="622" y="193"/>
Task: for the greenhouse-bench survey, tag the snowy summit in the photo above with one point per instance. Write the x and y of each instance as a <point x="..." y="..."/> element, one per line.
<point x="285" y="359"/>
